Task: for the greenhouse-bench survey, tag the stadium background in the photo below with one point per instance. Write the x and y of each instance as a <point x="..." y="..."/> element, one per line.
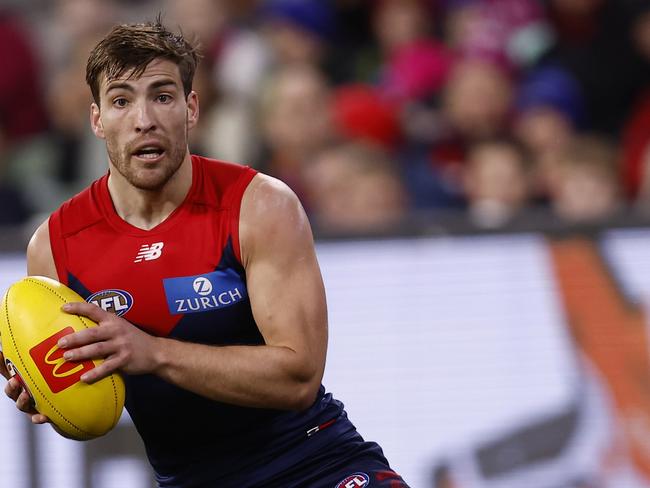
<point x="487" y="313"/>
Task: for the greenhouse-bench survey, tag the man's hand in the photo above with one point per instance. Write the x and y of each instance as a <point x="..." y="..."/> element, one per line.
<point x="15" y="391"/>
<point x="3" y="367"/>
<point x="123" y="346"/>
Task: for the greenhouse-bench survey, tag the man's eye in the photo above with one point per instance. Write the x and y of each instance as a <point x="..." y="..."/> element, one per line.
<point x="164" y="98"/>
<point x="120" y="102"/>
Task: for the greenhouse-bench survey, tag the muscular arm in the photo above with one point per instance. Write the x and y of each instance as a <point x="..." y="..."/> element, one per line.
<point x="40" y="261"/>
<point x="288" y="302"/>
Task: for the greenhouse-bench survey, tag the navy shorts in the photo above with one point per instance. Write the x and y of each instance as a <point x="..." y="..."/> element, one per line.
<point x="355" y="464"/>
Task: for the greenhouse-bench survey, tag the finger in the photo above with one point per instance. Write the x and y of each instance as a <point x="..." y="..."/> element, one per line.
<point x="25" y="403"/>
<point x="94" y="350"/>
<point x="106" y="368"/>
<point x="90" y="310"/>
<point x="13" y="388"/>
<point x="84" y="337"/>
<point x="38" y="418"/>
<point x="3" y="367"/>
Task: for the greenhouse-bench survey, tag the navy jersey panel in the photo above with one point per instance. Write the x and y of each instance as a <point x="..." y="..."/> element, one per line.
<point x="353" y="464"/>
<point x="345" y="462"/>
<point x="184" y="280"/>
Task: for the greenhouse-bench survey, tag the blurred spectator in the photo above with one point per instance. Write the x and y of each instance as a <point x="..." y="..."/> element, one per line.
<point x="635" y="148"/>
<point x="240" y="62"/>
<point x="434" y="83"/>
<point x="241" y="10"/>
<point x="594" y="42"/>
<point x="58" y="163"/>
<point x="399" y="23"/>
<point x="71" y="156"/>
<point x="22" y="111"/>
<point x="512" y="33"/>
<point x="361" y="112"/>
<point x="13" y="206"/>
<point x="416" y="72"/>
<point x="549" y="111"/>
<point x="639" y="12"/>
<point x="355" y="187"/>
<point x="288" y="32"/>
<point x="576" y="20"/>
<point x="413" y="65"/>
<point x="353" y="56"/>
<point x="66" y="23"/>
<point x="298" y="30"/>
<point x="496" y="182"/>
<point x="296" y="122"/>
<point x="478" y="99"/>
<point x="475" y="103"/>
<point x="587" y="187"/>
<point x="206" y="21"/>
<point x="460" y="18"/>
<point x="68" y="96"/>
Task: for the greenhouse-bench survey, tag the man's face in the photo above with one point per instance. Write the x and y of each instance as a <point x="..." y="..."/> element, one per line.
<point x="145" y="122"/>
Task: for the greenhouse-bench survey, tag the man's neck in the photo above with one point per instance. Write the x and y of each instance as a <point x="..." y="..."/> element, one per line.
<point x="146" y="209"/>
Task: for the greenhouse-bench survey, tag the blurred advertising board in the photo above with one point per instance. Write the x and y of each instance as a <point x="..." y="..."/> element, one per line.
<point x="476" y="361"/>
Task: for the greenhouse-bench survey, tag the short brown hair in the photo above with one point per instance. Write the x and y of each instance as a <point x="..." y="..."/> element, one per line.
<point x="133" y="47"/>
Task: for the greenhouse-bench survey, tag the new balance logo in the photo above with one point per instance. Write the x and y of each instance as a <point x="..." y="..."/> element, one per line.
<point x="149" y="252"/>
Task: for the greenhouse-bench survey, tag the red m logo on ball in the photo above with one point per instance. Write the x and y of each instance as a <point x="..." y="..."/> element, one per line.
<point x="58" y="373"/>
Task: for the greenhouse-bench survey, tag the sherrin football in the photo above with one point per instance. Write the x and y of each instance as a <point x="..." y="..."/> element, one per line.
<point x="31" y="323"/>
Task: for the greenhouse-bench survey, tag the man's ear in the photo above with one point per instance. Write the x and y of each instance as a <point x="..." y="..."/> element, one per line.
<point x="192" y="110"/>
<point x="96" y="121"/>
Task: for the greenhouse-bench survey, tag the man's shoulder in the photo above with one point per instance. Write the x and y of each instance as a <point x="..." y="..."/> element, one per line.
<point x="268" y="199"/>
<point x="272" y="217"/>
<point x="220" y="167"/>
<point x="79" y="211"/>
<point x="271" y="187"/>
<point x="221" y="182"/>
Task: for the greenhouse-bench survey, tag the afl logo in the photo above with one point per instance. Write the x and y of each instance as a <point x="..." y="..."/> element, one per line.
<point x="355" y="480"/>
<point x="202" y="286"/>
<point x="115" y="301"/>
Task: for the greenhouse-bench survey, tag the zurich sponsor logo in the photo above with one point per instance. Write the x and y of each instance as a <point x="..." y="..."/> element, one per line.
<point x="203" y="293"/>
<point x="355" y="480"/>
<point x="202" y="286"/>
<point x="115" y="301"/>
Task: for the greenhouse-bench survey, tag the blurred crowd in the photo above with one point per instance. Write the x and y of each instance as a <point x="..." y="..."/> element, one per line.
<point x="371" y="110"/>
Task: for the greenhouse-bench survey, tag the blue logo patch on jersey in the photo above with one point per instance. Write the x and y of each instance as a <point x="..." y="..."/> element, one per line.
<point x="202" y="293"/>
<point x="355" y="480"/>
<point x="116" y="301"/>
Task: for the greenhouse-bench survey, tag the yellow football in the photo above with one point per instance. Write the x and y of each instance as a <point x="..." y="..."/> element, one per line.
<point x="31" y="323"/>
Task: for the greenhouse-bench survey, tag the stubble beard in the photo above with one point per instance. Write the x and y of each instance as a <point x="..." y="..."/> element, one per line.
<point x="173" y="158"/>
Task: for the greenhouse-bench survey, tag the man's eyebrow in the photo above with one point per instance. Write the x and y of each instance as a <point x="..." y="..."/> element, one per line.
<point x="119" y="86"/>
<point x="160" y="83"/>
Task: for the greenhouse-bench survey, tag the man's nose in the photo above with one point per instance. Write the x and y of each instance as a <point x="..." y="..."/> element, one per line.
<point x="145" y="121"/>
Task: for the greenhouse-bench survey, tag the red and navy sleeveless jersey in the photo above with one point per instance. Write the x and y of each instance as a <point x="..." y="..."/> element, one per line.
<point x="184" y="279"/>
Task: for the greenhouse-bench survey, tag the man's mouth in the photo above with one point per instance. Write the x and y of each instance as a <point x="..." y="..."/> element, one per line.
<point x="149" y="152"/>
